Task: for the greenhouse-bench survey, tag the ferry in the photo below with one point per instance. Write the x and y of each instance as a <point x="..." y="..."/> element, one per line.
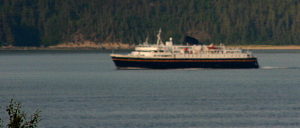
<point x="166" y="55"/>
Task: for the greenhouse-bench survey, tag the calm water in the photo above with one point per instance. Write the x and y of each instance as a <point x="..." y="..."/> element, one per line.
<point x="84" y="89"/>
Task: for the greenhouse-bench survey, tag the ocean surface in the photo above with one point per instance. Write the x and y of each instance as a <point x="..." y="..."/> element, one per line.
<point x="84" y="89"/>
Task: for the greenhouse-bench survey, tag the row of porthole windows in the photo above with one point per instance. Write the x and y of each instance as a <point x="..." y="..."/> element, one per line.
<point x="216" y="55"/>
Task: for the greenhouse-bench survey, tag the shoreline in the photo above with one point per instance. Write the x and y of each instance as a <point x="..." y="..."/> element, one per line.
<point x="97" y="47"/>
<point x="86" y="45"/>
<point x="266" y="47"/>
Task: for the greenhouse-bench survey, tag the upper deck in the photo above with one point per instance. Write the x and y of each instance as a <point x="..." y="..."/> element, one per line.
<point x="168" y="50"/>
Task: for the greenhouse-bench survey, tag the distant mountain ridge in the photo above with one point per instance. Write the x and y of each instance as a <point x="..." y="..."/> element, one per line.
<point x="235" y="22"/>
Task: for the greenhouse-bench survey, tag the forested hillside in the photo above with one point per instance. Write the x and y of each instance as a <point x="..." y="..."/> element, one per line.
<point x="48" y="22"/>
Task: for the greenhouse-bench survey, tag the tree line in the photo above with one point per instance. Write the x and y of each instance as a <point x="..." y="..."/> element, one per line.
<point x="49" y="22"/>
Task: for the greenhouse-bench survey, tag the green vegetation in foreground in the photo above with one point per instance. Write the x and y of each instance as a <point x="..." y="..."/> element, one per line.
<point x="17" y="118"/>
<point x="235" y="22"/>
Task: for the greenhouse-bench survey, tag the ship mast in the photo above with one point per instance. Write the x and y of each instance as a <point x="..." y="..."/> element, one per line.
<point x="159" y="42"/>
<point x="146" y="41"/>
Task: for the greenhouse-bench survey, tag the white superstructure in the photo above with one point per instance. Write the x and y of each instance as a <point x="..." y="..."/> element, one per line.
<point x="169" y="50"/>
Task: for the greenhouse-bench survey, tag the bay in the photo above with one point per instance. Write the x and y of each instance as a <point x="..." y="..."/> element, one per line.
<point x="84" y="89"/>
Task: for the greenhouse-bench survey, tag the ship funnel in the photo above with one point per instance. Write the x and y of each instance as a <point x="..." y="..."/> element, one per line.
<point x="191" y="40"/>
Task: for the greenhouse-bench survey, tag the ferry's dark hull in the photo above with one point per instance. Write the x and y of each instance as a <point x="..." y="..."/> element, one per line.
<point x="154" y="63"/>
